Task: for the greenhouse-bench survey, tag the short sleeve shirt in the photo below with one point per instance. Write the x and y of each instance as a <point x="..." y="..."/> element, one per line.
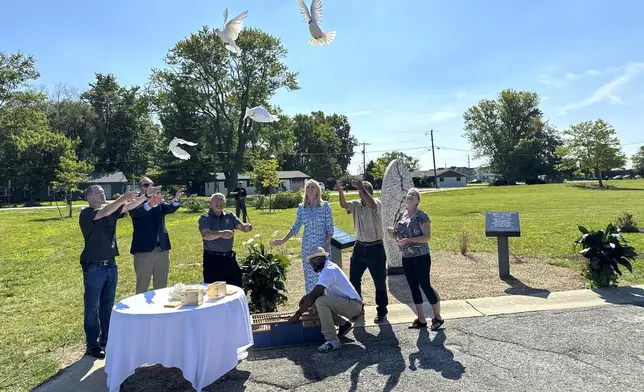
<point x="99" y="235"/>
<point x="367" y="222"/>
<point x="226" y="221"/>
<point x="410" y="227"/>
<point x="336" y="283"/>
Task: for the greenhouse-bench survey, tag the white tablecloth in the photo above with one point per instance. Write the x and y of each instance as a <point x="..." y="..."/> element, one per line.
<point x="204" y="341"/>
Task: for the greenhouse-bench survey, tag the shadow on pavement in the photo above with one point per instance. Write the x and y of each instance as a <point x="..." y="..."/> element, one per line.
<point x="517" y="287"/>
<point x="382" y="350"/>
<point x="622" y="295"/>
<point x="86" y="374"/>
<point x="432" y="354"/>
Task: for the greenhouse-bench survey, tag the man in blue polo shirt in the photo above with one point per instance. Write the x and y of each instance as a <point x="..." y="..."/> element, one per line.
<point x="217" y="228"/>
<point x="100" y="273"/>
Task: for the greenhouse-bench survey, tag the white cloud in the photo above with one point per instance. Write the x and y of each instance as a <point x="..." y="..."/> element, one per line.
<point x="572" y="76"/>
<point x="443" y="115"/>
<point x="593" y="72"/>
<point x="608" y="91"/>
<point x="360" y="113"/>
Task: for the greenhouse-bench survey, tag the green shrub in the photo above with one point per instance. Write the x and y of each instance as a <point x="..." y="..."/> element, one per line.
<point x="263" y="277"/>
<point x="626" y="224"/>
<point x="194" y="204"/>
<point x="260" y="202"/>
<point x="283" y="200"/>
<point x="604" y="251"/>
<point x="116" y="196"/>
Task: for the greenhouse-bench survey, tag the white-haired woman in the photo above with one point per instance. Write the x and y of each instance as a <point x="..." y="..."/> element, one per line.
<point x="317" y="219"/>
<point x="413" y="232"/>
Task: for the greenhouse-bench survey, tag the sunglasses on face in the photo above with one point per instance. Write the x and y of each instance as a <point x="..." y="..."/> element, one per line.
<point x="145" y="185"/>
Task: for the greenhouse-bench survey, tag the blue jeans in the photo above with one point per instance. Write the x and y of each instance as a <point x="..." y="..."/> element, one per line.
<point x="100" y="290"/>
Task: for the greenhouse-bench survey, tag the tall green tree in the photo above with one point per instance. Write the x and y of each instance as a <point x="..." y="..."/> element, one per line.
<point x="70" y="173"/>
<point x="381" y="163"/>
<point x="638" y="161"/>
<point x="511" y="133"/>
<point x="323" y="144"/>
<point x="592" y="147"/>
<point x="217" y="87"/>
<point x="126" y="138"/>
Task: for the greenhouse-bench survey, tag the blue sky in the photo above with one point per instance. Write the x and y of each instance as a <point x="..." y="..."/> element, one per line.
<point x="396" y="68"/>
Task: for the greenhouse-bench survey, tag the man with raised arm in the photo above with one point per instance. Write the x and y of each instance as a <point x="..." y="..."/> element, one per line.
<point x="217" y="228"/>
<point x="369" y="251"/>
<point x="98" y="261"/>
<point x="150" y="239"/>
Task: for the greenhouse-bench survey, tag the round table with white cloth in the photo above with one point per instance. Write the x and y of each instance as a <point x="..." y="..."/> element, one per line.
<point x="204" y="341"/>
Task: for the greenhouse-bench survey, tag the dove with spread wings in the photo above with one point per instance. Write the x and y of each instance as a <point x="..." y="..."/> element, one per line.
<point x="178" y="151"/>
<point x="314" y="18"/>
<point x="231" y="31"/>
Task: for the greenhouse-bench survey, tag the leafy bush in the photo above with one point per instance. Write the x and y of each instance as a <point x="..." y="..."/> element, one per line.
<point x="605" y="251"/>
<point x="325" y="195"/>
<point x="260" y="202"/>
<point x="534" y="181"/>
<point x="284" y="200"/>
<point x="194" y="204"/>
<point x="626" y="224"/>
<point x="116" y="196"/>
<point x="264" y="277"/>
<point x="501" y="182"/>
<point x="32" y="204"/>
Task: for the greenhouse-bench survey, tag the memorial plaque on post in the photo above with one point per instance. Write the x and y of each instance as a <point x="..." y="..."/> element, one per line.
<point x="339" y="241"/>
<point x="502" y="225"/>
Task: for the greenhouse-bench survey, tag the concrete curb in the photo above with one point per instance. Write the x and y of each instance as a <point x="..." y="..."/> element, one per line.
<point x="88" y="374"/>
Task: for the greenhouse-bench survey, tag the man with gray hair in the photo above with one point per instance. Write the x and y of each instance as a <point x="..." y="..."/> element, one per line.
<point x="100" y="273"/>
<point x="369" y="251"/>
<point x="217" y="228"/>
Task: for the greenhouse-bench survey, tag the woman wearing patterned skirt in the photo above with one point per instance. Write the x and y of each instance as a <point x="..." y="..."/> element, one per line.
<point x="317" y="219"/>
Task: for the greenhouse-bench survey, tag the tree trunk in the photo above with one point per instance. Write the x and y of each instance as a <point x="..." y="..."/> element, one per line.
<point x="601" y="180"/>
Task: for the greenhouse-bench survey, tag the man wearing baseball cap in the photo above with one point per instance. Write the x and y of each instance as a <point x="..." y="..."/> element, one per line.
<point x="335" y="299"/>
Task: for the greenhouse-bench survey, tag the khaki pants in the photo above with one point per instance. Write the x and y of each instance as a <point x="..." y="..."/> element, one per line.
<point x="147" y="265"/>
<point x="331" y="311"/>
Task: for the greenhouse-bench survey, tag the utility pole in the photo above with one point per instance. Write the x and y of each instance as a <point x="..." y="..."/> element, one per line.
<point x="364" y="162"/>
<point x="431" y="134"/>
<point x="469" y="169"/>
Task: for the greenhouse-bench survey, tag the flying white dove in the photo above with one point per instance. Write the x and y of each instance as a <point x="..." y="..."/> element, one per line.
<point x="178" y="151"/>
<point x="313" y="19"/>
<point x="260" y="114"/>
<point x="231" y="31"/>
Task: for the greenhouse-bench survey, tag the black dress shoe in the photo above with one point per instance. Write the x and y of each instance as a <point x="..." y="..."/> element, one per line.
<point x="344" y="329"/>
<point x="381" y="318"/>
<point x="95" y="352"/>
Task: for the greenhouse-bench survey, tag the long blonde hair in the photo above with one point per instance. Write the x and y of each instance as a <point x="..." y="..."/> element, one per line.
<point x="318" y="201"/>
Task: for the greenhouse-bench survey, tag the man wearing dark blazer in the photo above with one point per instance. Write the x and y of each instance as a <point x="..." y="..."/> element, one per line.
<point x="150" y="240"/>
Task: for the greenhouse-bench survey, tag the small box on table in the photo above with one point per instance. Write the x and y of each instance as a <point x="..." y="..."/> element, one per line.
<point x="216" y="290"/>
<point x="192" y="297"/>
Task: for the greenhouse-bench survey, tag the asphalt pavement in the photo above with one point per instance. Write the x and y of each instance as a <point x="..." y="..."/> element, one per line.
<point x="587" y="349"/>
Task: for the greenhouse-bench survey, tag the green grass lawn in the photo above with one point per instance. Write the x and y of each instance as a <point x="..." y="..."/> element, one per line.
<point x="41" y="281"/>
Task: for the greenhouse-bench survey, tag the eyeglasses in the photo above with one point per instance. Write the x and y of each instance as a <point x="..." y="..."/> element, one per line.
<point x="145" y="185"/>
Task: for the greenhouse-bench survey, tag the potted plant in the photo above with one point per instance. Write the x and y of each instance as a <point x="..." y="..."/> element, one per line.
<point x="263" y="277"/>
<point x="605" y="251"/>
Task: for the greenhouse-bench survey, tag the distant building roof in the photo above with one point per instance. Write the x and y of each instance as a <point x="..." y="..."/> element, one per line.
<point x="282" y="175"/>
<point x="106" y="178"/>
<point x="439" y="173"/>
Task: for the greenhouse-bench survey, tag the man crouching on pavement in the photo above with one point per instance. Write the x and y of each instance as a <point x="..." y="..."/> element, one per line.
<point x="334" y="297"/>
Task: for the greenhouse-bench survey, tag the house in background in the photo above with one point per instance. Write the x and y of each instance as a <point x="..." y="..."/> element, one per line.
<point x="447" y="178"/>
<point x="112" y="183"/>
<point x="292" y="180"/>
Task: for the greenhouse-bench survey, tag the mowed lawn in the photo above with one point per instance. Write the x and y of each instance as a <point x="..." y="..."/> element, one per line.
<point x="41" y="281"/>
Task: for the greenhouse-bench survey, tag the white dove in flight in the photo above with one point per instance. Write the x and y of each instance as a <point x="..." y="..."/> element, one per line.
<point x="231" y="31"/>
<point x="259" y="114"/>
<point x="178" y="151"/>
<point x="313" y="19"/>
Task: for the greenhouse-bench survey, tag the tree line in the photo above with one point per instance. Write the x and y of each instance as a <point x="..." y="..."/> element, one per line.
<point x="201" y="95"/>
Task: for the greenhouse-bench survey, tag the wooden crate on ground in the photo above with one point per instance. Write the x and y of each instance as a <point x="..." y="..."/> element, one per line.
<point x="272" y="330"/>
